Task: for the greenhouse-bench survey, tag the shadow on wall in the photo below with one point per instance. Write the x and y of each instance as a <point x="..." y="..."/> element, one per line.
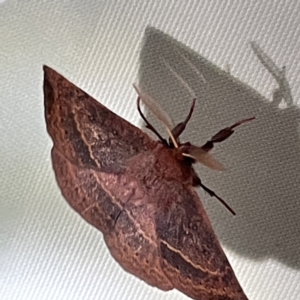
<point x="262" y="179"/>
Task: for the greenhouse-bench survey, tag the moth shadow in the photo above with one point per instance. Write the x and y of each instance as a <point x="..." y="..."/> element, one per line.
<point x="262" y="158"/>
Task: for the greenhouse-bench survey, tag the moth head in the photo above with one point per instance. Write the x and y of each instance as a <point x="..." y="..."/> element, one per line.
<point x="198" y="154"/>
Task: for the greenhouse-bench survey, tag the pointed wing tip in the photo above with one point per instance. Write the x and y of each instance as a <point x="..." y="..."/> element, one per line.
<point x="50" y="73"/>
<point x="52" y="77"/>
<point x="47" y="70"/>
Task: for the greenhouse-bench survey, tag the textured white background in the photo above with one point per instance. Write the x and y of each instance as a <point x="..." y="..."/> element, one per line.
<point x="46" y="250"/>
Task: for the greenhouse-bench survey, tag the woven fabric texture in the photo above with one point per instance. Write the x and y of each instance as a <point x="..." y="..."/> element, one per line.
<point x="46" y="250"/>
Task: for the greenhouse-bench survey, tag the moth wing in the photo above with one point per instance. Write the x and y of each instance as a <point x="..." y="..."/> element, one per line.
<point x="191" y="255"/>
<point x="155" y="108"/>
<point x="88" y="133"/>
<point x="205" y="158"/>
<point x="100" y="199"/>
<point x="91" y="148"/>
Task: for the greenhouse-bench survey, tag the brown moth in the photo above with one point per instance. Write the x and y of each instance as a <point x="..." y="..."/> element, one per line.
<point x="138" y="192"/>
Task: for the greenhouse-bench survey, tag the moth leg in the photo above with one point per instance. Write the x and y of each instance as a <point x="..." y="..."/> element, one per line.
<point x="197" y="182"/>
<point x="223" y="134"/>
<point x="213" y="194"/>
<point x="148" y="125"/>
<point x="179" y="128"/>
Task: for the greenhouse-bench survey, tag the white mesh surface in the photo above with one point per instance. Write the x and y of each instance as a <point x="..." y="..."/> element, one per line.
<point x="46" y="250"/>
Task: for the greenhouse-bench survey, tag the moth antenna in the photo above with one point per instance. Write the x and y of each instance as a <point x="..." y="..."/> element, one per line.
<point x="187" y="119"/>
<point x="179" y="128"/>
<point x="181" y="80"/>
<point x="148" y="125"/>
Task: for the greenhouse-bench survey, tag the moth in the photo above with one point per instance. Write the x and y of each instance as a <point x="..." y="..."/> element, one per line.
<point x="139" y="192"/>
